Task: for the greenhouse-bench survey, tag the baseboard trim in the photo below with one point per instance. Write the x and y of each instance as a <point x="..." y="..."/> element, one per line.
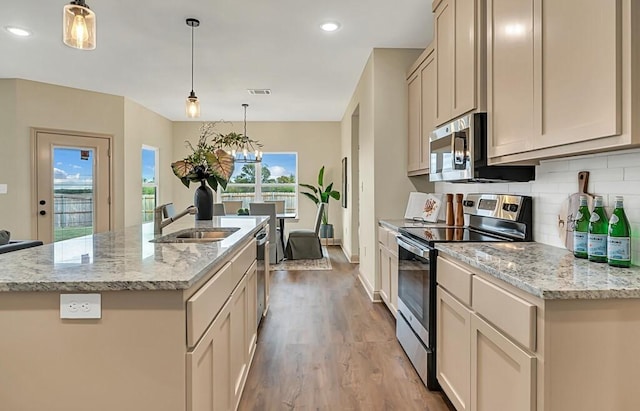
<point x="374" y="296"/>
<point x="353" y="259"/>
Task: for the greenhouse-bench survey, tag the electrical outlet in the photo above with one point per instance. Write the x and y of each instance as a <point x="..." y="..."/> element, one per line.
<point x="80" y="306"/>
<point x="3" y="189"/>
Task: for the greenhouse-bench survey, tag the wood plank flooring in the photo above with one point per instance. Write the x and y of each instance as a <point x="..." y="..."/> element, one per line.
<point x="325" y="346"/>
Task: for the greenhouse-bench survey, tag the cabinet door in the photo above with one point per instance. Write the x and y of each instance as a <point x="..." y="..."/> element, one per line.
<point x="510" y="76"/>
<point x="385" y="278"/>
<point x="580" y="69"/>
<point x="503" y="376"/>
<point x="465" y="56"/>
<point x="252" y="311"/>
<point x="393" y="286"/>
<point x="428" y="108"/>
<point x="413" y="144"/>
<point x="209" y="367"/>
<point x="444" y="32"/>
<point x="453" y="362"/>
<point x="239" y="338"/>
<point x="267" y="280"/>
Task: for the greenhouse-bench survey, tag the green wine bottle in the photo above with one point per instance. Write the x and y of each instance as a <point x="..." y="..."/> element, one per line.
<point x="581" y="229"/>
<point x="598" y="230"/>
<point x="619" y="240"/>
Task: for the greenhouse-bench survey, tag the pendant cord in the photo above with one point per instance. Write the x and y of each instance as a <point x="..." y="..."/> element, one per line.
<point x="245" y="120"/>
<point x="192" y="58"/>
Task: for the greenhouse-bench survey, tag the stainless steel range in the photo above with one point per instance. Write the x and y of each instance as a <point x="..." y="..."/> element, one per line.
<point x="491" y="217"/>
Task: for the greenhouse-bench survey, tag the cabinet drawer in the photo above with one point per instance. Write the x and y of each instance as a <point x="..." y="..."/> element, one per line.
<point x="205" y="304"/>
<point x="244" y="259"/>
<point x="455" y="279"/>
<point x="392" y="244"/>
<point x="382" y="235"/>
<point x="515" y="316"/>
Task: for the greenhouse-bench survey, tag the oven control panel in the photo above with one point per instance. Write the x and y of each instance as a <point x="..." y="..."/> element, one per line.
<point x="500" y="206"/>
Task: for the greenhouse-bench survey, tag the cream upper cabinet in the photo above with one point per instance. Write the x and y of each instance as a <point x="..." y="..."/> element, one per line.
<point x="413" y="148"/>
<point x="421" y="85"/>
<point x="510" y="76"/>
<point x="560" y="86"/>
<point x="459" y="47"/>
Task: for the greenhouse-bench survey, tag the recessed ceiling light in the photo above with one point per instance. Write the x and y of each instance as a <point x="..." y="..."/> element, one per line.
<point x="17" y="31"/>
<point x="330" y="26"/>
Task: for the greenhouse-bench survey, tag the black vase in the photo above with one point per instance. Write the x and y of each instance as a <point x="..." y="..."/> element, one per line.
<point x="203" y="200"/>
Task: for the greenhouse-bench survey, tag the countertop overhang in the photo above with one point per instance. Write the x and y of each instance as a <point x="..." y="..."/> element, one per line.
<point x="124" y="259"/>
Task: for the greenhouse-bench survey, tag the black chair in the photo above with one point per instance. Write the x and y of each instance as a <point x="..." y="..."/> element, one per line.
<point x="305" y="244"/>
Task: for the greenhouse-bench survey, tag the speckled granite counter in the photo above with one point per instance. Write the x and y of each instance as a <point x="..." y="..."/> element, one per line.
<point x="123" y="259"/>
<point x="547" y="272"/>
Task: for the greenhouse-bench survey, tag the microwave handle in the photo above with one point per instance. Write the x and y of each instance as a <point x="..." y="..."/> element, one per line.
<point x="459" y="149"/>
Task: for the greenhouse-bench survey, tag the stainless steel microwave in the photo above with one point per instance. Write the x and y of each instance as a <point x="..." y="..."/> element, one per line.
<point x="459" y="154"/>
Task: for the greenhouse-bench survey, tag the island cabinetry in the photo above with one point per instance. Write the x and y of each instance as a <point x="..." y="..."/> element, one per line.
<point x="421" y="85"/>
<point x="459" y="35"/>
<point x="548" y="93"/>
<point x="388" y="265"/>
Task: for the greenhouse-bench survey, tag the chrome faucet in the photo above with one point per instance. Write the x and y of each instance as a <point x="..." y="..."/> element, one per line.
<point x="167" y="211"/>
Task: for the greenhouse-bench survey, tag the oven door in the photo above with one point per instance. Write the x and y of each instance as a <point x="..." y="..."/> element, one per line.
<point x="415" y="286"/>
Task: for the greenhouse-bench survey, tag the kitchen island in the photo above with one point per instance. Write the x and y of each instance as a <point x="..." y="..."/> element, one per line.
<point x="526" y="326"/>
<point x="176" y="328"/>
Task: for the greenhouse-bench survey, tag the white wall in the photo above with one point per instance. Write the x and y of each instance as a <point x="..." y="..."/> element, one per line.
<point x="317" y="144"/>
<point x="41" y="105"/>
<point x="26" y="104"/>
<point x="381" y="99"/>
<point x="611" y="174"/>
<point x="144" y="127"/>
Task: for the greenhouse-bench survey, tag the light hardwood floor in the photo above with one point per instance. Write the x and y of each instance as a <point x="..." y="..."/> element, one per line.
<point x="325" y="346"/>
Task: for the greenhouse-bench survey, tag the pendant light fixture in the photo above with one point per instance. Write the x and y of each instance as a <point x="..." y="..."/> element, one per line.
<point x="247" y="150"/>
<point x="79" y="26"/>
<point x="193" y="105"/>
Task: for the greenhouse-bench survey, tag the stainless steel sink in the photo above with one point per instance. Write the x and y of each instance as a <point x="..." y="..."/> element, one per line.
<point x="197" y="235"/>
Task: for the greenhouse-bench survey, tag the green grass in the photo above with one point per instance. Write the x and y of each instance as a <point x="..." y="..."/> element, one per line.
<point x="71" y="232"/>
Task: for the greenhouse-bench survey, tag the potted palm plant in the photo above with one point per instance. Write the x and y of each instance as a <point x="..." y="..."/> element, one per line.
<point x="322" y="194"/>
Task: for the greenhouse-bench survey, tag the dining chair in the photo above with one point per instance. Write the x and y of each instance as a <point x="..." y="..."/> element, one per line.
<point x="305" y="244"/>
<point x="279" y="205"/>
<point x="276" y="249"/>
<point x="218" y="209"/>
<point x="232" y="206"/>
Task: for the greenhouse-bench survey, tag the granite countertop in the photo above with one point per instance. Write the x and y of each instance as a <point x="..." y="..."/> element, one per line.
<point x="396" y="224"/>
<point x="547" y="272"/>
<point x="123" y="259"/>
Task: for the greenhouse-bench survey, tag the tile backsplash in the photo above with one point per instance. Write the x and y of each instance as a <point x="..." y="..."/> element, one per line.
<point x="610" y="174"/>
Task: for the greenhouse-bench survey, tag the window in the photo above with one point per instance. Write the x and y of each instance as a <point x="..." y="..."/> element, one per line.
<point x="278" y="181"/>
<point x="149" y="182"/>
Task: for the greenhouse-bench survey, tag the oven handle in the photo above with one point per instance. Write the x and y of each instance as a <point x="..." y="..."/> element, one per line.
<point x="413" y="248"/>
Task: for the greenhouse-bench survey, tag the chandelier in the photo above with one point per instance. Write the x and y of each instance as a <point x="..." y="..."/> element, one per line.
<point x="244" y="149"/>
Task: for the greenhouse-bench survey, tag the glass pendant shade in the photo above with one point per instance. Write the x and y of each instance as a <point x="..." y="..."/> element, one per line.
<point x="79" y="26"/>
<point x="193" y="106"/>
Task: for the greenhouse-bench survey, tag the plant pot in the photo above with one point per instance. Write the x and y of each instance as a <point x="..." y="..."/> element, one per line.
<point x="203" y="200"/>
<point x="326" y="230"/>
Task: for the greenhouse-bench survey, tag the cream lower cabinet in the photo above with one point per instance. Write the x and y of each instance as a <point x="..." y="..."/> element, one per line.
<point x="453" y="356"/>
<point x="503" y="376"/>
<point x="479" y="366"/>
<point x="209" y="367"/>
<point x="218" y="364"/>
<point x="388" y="268"/>
<point x="558" y="86"/>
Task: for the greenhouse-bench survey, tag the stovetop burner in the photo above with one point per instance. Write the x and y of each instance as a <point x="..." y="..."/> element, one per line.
<point x="447" y="234"/>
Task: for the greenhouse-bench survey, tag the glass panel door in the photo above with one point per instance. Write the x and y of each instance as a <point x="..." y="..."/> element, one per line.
<point x="73" y="188"/>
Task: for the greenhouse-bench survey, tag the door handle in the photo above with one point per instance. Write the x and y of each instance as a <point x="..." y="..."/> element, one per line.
<point x="42" y="212"/>
<point x="42" y="202"/>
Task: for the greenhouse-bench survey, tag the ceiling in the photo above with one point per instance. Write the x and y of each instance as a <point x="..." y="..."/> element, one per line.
<point x="144" y="52"/>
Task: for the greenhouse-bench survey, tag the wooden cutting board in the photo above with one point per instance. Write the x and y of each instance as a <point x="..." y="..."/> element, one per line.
<point x="568" y="210"/>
